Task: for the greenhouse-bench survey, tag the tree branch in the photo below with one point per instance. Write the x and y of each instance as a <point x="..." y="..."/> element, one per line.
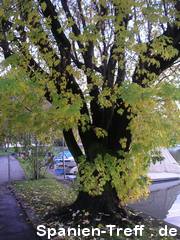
<point x="60" y="37"/>
<point x="3" y="41"/>
<point x="72" y="144"/>
<point x="75" y="28"/>
<point x="81" y="13"/>
<point x="146" y="67"/>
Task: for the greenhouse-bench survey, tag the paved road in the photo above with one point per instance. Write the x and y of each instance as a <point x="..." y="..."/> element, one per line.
<point x="16" y="172"/>
<point x="13" y="222"/>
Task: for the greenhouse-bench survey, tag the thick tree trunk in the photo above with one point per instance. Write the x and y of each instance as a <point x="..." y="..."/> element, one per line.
<point x="107" y="207"/>
<point x="107" y="203"/>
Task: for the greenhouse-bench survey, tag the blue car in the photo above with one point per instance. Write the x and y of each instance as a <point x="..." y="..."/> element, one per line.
<point x="64" y="157"/>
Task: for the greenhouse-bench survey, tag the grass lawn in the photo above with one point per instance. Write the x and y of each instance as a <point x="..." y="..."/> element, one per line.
<point x="44" y="196"/>
<point x="5" y="153"/>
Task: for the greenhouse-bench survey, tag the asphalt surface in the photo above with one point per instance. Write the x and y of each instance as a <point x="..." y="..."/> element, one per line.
<point x="16" y="172"/>
<point x="14" y="224"/>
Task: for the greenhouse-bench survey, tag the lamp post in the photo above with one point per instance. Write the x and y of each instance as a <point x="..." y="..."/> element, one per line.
<point x="64" y="160"/>
<point x="9" y="170"/>
<point x="9" y="167"/>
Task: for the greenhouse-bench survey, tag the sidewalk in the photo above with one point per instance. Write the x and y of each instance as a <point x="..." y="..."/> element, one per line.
<point x="13" y="222"/>
<point x="16" y="172"/>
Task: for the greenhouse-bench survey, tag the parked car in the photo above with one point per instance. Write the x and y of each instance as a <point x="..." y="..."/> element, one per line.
<point x="64" y="157"/>
<point x="74" y="170"/>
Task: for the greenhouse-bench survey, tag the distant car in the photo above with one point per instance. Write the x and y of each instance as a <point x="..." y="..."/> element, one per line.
<point x="66" y="158"/>
<point x="74" y="170"/>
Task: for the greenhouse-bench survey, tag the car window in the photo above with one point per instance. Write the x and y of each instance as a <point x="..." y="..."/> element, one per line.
<point x="67" y="154"/>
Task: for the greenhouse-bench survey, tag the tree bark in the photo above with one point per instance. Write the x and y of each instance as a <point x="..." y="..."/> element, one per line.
<point x="107" y="206"/>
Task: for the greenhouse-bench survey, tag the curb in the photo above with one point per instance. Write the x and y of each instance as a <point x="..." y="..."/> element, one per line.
<point x="29" y="212"/>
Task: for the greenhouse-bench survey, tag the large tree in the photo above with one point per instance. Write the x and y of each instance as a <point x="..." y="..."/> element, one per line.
<point x="104" y="66"/>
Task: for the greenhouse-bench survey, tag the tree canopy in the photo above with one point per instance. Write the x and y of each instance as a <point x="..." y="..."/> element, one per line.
<point x="107" y="68"/>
